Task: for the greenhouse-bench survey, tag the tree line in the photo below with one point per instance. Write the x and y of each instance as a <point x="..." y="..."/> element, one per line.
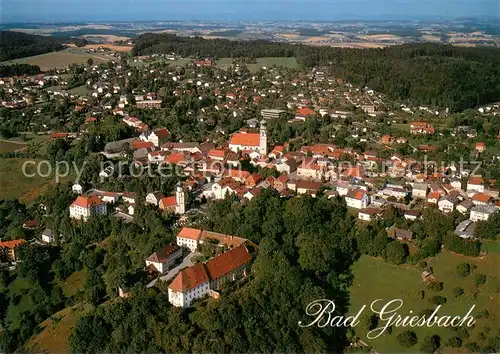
<point x="15" y="45"/>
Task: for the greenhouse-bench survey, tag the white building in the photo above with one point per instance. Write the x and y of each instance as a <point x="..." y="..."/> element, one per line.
<point x="163" y="259"/>
<point x="189" y="238"/>
<point x="357" y="198"/>
<point x="86" y="207"/>
<point x="476" y="184"/>
<point x="48" y="236"/>
<point x="202" y="279"/>
<point x="190" y="284"/>
<point x="447" y="204"/>
<point x="482" y="212"/>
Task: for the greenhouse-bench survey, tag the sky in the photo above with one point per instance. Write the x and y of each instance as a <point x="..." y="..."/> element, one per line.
<point x="238" y="10"/>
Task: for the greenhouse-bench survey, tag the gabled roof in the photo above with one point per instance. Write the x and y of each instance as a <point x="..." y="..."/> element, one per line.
<point x="245" y="139"/>
<point x="357" y="194"/>
<point x="11" y="244"/>
<point x="189" y="278"/>
<point x="481" y="197"/>
<point x="162" y="255"/>
<point x="227" y="262"/>
<point x="168" y="201"/>
<point x="87" y="202"/>
<point x="189" y="233"/>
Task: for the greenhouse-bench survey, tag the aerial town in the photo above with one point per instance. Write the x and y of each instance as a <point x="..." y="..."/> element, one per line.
<point x="162" y="139"/>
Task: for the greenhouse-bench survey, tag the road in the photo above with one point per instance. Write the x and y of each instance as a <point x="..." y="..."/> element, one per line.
<point x="186" y="262"/>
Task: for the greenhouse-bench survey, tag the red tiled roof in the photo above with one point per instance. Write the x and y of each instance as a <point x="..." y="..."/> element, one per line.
<point x="217" y="153"/>
<point x="190" y="278"/>
<point x="189" y="233"/>
<point x="355" y="194"/>
<point x="227" y="262"/>
<point x="168" y="201"/>
<point x="481" y="197"/>
<point x="247" y="139"/>
<point x="86" y="202"/>
<point x="59" y="135"/>
<point x="162" y="132"/>
<point x="434" y="195"/>
<point x="175" y="158"/>
<point x="304" y="112"/>
<point x="11" y="244"/>
<point x="476" y="180"/>
<point x="139" y="144"/>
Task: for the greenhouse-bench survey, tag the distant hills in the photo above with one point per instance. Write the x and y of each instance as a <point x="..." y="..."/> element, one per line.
<point x="15" y="45"/>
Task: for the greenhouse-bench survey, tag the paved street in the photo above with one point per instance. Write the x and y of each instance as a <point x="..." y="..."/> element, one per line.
<point x="186" y="262"/>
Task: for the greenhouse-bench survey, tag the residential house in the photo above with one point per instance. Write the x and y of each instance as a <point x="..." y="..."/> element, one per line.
<point x="412" y="214"/>
<point x="154" y="198"/>
<point x="48" y="236"/>
<point x="465" y="206"/>
<point x="400" y="234"/>
<point x="357" y="198"/>
<point x="8" y="250"/>
<point x="447" y="203"/>
<point x="158" y="136"/>
<point x="163" y="259"/>
<point x="369" y="214"/>
<point x="475" y="184"/>
<point x="482" y="212"/>
<point x="481" y="199"/>
<point x="419" y="190"/>
<point x="433" y="197"/>
<point x="303" y="187"/>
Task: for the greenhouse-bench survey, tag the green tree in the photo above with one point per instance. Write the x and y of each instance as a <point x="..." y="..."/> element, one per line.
<point x="407" y="339"/>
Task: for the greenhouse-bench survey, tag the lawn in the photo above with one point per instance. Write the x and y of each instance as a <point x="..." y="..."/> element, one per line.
<point x="15" y="185"/>
<point x="60" y="59"/>
<point x="377" y="279"/>
<point x="74" y="283"/>
<point x="56" y="331"/>
<point x="17" y="289"/>
<point x="79" y="90"/>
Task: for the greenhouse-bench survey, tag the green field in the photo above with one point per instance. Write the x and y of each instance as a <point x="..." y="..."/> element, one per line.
<point x="79" y="90"/>
<point x="15" y="185"/>
<point x="61" y="59"/>
<point x="18" y="289"/>
<point x="268" y="62"/>
<point x="74" y="283"/>
<point x="377" y="279"/>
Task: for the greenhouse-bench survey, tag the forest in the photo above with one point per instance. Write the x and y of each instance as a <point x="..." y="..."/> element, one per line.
<point x="424" y="74"/>
<point x="15" y="45"/>
<point x="18" y="70"/>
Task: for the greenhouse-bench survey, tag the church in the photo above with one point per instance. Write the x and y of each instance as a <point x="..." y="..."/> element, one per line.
<point x="250" y="141"/>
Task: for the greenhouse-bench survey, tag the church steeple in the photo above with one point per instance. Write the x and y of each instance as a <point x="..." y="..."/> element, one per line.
<point x="263" y="138"/>
<point x="180" y="202"/>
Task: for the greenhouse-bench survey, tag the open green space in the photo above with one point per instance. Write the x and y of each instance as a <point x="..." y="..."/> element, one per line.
<point x="267" y="62"/>
<point x="56" y="331"/>
<point x="376" y="279"/>
<point x="18" y="185"/>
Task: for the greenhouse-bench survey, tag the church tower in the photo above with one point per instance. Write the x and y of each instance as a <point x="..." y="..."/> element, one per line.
<point x="180" y="202"/>
<point x="263" y="138"/>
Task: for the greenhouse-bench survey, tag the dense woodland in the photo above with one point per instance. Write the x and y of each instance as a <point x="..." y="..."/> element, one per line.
<point x="18" y="70"/>
<point x="15" y="45"/>
<point x="425" y="74"/>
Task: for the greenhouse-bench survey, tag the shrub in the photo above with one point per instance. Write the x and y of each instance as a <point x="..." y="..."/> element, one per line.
<point x="463" y="269"/>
